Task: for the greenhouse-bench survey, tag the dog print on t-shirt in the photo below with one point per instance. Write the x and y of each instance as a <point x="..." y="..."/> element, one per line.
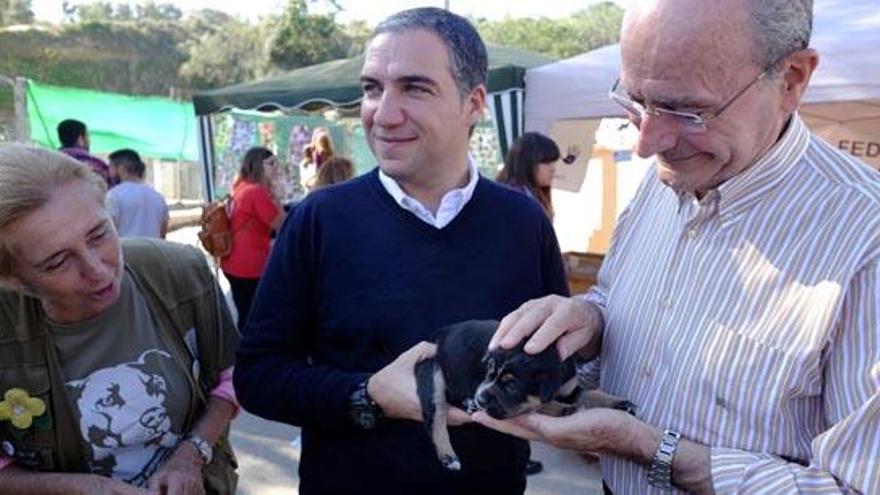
<point x="124" y="418"/>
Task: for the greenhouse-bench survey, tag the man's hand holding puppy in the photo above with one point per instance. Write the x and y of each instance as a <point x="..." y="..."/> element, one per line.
<point x="393" y="387"/>
<point x="576" y="326"/>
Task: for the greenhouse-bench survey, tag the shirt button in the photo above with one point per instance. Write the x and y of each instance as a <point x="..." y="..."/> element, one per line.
<point x="666" y="302"/>
<point x="646" y="371"/>
<point x="692" y="233"/>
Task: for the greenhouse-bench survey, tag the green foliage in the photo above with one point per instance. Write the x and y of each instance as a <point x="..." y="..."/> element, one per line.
<point x="150" y="48"/>
<point x="588" y="29"/>
<point x="302" y="39"/>
<point x="15" y="12"/>
<point x="106" y="12"/>
<point x="227" y="51"/>
<point x="120" y="57"/>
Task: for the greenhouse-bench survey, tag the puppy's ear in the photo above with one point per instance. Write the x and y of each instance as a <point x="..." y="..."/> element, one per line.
<point x="548" y="385"/>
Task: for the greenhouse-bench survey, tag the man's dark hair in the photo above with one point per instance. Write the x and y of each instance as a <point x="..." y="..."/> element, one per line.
<point x="69" y="131"/>
<point x="468" y="61"/>
<point x="128" y="160"/>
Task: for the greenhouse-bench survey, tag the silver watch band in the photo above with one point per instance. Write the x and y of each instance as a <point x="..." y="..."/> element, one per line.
<point x="660" y="471"/>
<point x="206" y="451"/>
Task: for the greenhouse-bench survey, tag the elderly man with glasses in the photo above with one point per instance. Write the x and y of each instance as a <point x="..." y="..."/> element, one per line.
<point x="739" y="304"/>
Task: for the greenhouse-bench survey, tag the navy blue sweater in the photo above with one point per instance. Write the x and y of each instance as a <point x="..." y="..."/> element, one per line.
<point x="352" y="282"/>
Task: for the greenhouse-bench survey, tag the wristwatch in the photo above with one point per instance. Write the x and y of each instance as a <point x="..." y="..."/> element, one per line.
<point x="660" y="472"/>
<point x="363" y="409"/>
<point x="206" y="451"/>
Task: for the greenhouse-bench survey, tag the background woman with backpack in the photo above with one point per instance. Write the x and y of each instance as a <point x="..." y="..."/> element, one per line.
<point x="255" y="213"/>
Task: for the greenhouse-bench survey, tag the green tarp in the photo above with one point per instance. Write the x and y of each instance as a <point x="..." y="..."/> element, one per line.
<point x="337" y="83"/>
<point x="153" y="126"/>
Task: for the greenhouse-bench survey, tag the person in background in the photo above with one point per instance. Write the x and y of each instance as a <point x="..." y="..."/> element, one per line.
<point x="256" y="213"/>
<point x="529" y="167"/>
<point x="739" y="304"/>
<point x="74" y="138"/>
<point x="333" y="171"/>
<point x="115" y="357"/>
<point x="365" y="272"/>
<point x="316" y="153"/>
<point x="136" y="208"/>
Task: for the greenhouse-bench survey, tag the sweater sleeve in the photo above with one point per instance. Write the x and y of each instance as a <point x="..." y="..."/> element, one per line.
<point x="274" y="377"/>
<point x="552" y="267"/>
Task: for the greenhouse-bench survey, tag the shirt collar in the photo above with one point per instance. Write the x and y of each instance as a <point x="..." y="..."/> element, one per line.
<point x="450" y="205"/>
<point x="740" y="192"/>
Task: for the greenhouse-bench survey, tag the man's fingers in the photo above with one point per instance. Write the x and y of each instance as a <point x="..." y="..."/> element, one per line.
<point x="565" y="320"/>
<point x="531" y="318"/>
<point x="457" y="417"/>
<point x="422" y="351"/>
<point x="506" y="324"/>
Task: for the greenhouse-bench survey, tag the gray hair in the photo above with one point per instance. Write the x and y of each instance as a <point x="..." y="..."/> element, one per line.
<point x="28" y="178"/>
<point x="468" y="61"/>
<point x="781" y="28"/>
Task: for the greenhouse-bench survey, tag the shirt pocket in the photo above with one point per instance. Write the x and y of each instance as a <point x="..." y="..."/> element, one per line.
<point x="31" y="447"/>
<point x="745" y="382"/>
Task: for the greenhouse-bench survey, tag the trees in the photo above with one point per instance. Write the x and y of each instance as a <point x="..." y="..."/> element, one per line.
<point x="226" y="51"/>
<point x="587" y="29"/>
<point x="303" y="39"/>
<point x="15" y="12"/>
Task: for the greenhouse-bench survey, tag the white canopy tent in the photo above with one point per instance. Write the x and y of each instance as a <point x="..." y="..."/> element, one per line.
<point x="843" y="99"/>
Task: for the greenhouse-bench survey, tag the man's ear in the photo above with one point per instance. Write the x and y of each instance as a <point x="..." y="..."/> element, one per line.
<point x="475" y="102"/>
<point x="796" y="73"/>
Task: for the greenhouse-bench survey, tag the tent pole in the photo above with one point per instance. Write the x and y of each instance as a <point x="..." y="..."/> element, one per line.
<point x="22" y="130"/>
<point x="19" y="91"/>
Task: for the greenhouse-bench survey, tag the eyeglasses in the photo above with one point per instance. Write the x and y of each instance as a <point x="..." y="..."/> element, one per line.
<point x="686" y="121"/>
<point x="270" y="162"/>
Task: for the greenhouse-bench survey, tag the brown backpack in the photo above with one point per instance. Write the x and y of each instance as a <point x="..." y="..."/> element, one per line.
<point x="216" y="233"/>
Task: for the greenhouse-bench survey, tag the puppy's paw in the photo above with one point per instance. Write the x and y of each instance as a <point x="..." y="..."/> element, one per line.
<point x="451" y="462"/>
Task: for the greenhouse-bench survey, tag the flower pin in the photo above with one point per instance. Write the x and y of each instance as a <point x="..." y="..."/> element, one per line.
<point x="19" y="408"/>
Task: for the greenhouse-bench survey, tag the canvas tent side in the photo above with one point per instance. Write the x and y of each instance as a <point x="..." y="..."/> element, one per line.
<point x="337" y="84"/>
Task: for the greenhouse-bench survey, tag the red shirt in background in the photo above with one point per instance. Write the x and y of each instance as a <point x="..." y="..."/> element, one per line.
<point x="253" y="210"/>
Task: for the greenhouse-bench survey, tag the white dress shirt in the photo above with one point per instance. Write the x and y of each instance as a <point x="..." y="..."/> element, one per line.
<point x="450" y="206"/>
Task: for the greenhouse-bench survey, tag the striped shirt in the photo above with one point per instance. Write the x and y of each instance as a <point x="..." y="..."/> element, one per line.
<point x="750" y="321"/>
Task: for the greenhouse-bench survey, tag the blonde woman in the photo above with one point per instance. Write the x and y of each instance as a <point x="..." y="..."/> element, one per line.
<point x="115" y="357"/>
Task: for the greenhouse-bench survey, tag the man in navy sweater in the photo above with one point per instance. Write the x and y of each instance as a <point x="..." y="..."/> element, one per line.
<point x="365" y="271"/>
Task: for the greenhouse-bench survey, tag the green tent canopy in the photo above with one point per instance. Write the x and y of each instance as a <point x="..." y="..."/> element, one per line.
<point x="153" y="126"/>
<point x="337" y="83"/>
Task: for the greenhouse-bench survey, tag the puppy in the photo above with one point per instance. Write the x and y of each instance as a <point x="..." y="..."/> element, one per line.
<point x="503" y="383"/>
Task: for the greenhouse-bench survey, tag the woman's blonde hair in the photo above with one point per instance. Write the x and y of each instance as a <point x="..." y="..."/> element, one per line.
<point x="29" y="176"/>
<point x="334" y="170"/>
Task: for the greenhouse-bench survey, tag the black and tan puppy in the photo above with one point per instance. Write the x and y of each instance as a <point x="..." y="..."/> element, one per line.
<point x="503" y="383"/>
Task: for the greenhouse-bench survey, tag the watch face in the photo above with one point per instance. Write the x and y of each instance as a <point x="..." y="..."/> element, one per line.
<point x="366" y="419"/>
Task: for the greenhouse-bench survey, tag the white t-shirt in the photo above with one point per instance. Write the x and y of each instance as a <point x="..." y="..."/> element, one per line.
<point x="137" y="209"/>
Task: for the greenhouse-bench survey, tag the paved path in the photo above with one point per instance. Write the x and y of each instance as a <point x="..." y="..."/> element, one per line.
<point x="268" y="460"/>
<point x="268" y="454"/>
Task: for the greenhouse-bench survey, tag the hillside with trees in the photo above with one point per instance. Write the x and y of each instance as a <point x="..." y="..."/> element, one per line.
<point x="153" y="48"/>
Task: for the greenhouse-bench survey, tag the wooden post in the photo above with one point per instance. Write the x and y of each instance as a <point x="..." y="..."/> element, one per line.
<point x="22" y="130"/>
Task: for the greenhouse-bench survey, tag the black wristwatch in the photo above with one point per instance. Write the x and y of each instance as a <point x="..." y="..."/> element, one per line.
<point x="363" y="409"/>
